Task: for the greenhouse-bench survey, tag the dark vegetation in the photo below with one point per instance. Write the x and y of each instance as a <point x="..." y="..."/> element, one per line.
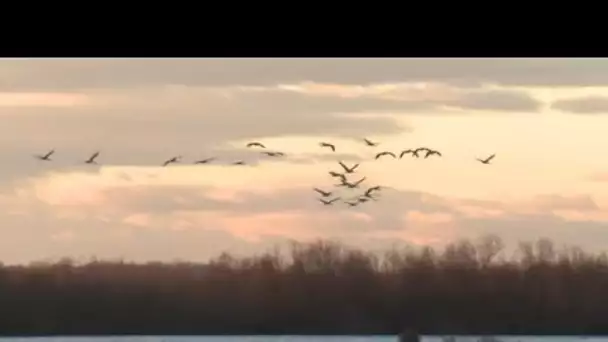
<point x="320" y="288"/>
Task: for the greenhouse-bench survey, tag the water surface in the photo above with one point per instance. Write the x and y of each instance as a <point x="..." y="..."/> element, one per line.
<point x="290" y="339"/>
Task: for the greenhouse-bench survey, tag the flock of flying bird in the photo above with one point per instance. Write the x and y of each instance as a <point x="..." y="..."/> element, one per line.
<point x="368" y="194"/>
<point x="326" y="196"/>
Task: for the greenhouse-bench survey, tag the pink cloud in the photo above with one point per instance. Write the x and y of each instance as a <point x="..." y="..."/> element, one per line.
<point x="278" y="214"/>
<point x="428" y="218"/>
<point x="15" y="99"/>
<point x="283" y="224"/>
<point x="65" y="236"/>
<point x="138" y="220"/>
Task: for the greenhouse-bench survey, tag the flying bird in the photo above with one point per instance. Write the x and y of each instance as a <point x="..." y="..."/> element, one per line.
<point x="403" y="153"/>
<point x="335" y="174"/>
<point x="274" y="154"/>
<point x="330" y="202"/>
<point x="324" y="144"/>
<point x="347" y="169"/>
<point x="240" y="162"/>
<point x="385" y="153"/>
<point x="369" y="196"/>
<point x="375" y="188"/>
<point x="91" y="160"/>
<point x="47" y="156"/>
<point x="172" y="160"/>
<point x="351" y="203"/>
<point x="323" y="193"/>
<point x="363" y="199"/>
<point x="204" y="161"/>
<point x="487" y="160"/>
<point x="338" y="175"/>
<point x="255" y="143"/>
<point x="360" y="199"/>
<point x="418" y="150"/>
<point x="368" y="192"/>
<point x="431" y="152"/>
<point x="370" y="143"/>
<point x="353" y="185"/>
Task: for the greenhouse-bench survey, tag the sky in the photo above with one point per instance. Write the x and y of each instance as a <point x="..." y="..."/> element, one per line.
<point x="546" y="120"/>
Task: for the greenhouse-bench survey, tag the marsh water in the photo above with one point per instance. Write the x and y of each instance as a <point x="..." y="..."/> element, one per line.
<point x="291" y="339"/>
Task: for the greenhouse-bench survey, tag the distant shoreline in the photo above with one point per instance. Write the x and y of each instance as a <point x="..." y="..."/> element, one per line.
<point x="293" y="335"/>
<point x="318" y="289"/>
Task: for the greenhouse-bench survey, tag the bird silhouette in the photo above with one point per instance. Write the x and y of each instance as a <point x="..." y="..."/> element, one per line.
<point x="385" y="153"/>
<point x="239" y="162"/>
<point x="324" y="144"/>
<point x="335" y="174"/>
<point x="341" y="176"/>
<point x="255" y="143"/>
<point x="431" y="152"/>
<point x="353" y="185"/>
<point x="205" y="161"/>
<point x="329" y="202"/>
<point x="274" y="154"/>
<point x="91" y="159"/>
<point x="487" y="160"/>
<point x="323" y="193"/>
<point x="368" y="192"/>
<point x="47" y="156"/>
<point x="404" y="152"/>
<point x="363" y="199"/>
<point x="352" y="204"/>
<point x="175" y="159"/>
<point x="369" y="142"/>
<point x="369" y="198"/>
<point x="418" y="150"/>
<point x="347" y="169"/>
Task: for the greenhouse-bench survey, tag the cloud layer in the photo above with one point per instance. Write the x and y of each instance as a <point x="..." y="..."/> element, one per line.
<point x="139" y="113"/>
<point x="133" y="213"/>
<point x="585" y="105"/>
<point x="69" y="74"/>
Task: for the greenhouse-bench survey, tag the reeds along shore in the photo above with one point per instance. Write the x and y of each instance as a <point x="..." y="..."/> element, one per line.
<point x="319" y="288"/>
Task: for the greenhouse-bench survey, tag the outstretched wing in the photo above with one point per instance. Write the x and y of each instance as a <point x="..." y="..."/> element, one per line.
<point x="251" y="144"/>
<point x="324" y="144"/>
<point x="319" y="191"/>
<point x="343" y="166"/>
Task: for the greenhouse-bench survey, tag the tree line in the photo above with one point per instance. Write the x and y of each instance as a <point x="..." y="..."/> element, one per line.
<point x="324" y="287"/>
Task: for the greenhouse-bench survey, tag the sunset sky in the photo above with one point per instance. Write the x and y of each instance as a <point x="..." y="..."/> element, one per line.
<point x="545" y="119"/>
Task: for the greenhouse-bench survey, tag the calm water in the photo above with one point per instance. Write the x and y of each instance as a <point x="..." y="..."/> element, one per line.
<point x="289" y="339"/>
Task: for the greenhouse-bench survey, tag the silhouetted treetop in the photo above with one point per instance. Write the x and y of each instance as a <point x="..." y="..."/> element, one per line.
<point x="324" y="287"/>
